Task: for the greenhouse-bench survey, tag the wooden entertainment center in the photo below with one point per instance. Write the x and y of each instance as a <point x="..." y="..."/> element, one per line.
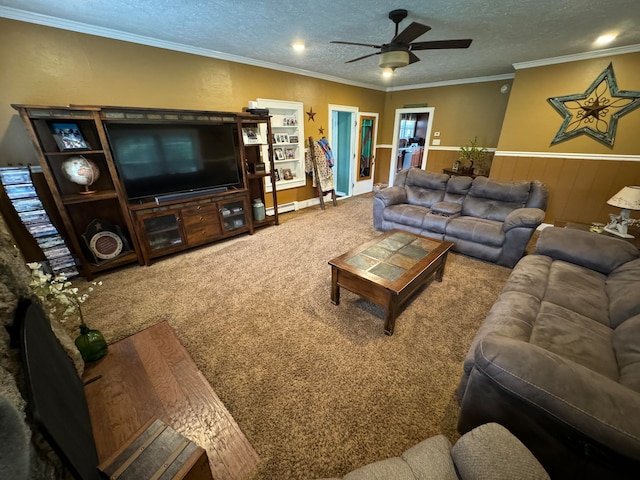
<point x="103" y="215"/>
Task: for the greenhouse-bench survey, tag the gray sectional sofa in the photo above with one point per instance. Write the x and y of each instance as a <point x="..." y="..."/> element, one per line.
<point x="487" y="452"/>
<point x="483" y="218"/>
<point x="557" y="360"/>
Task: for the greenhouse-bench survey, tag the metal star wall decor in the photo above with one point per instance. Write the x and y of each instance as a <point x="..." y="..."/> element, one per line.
<point x="595" y="112"/>
<point x="311" y="114"/>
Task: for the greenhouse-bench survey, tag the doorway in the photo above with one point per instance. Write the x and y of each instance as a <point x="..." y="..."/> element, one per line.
<point x="342" y="137"/>
<point x="366" y="160"/>
<point x="411" y="134"/>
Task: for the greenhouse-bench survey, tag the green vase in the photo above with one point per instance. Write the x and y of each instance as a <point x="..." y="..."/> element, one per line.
<point x="91" y="344"/>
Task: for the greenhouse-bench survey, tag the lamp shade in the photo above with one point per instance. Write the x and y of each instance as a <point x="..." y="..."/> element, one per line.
<point x="394" y="59"/>
<point x="628" y="198"/>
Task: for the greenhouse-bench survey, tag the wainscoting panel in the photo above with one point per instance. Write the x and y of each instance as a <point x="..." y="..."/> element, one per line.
<point x="579" y="188"/>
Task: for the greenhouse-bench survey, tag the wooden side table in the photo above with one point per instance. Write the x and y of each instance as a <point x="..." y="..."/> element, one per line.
<point x="635" y="231"/>
<point x="459" y="173"/>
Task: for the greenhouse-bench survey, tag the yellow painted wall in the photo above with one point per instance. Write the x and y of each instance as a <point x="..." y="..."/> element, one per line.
<point x="48" y="66"/>
<point x="461" y="113"/>
<point x="579" y="185"/>
<point x="42" y="65"/>
<point x="531" y="123"/>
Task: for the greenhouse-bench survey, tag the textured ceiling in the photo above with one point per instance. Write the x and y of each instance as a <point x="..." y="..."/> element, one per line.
<point x="504" y="32"/>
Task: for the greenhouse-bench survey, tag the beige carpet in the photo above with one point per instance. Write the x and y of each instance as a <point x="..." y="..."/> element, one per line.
<point x="318" y="389"/>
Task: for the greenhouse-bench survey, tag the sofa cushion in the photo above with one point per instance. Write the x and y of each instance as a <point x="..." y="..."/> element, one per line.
<point x="457" y="189"/>
<point x="478" y="230"/>
<point x="405" y="214"/>
<point x="627" y="350"/>
<point x="575" y="337"/>
<point x="423" y="197"/>
<point x="494" y="200"/>
<point x="393" y="468"/>
<point x="623" y="289"/>
<point x="431" y="459"/>
<point x="578" y="289"/>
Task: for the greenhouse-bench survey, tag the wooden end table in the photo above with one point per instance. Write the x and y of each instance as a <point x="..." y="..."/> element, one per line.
<point x="635" y="231"/>
<point x="389" y="269"/>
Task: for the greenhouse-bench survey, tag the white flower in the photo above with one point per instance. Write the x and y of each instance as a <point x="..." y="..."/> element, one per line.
<point x="54" y="291"/>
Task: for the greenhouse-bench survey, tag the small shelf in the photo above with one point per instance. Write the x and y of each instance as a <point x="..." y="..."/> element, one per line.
<point x="89" y="197"/>
<point x="67" y="153"/>
<point x="123" y="259"/>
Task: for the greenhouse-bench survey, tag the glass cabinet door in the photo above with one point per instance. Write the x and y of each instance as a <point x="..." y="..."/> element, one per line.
<point x="163" y="231"/>
<point x="233" y="215"/>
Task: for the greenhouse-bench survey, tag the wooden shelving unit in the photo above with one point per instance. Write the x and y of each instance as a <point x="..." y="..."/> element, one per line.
<point x="193" y="221"/>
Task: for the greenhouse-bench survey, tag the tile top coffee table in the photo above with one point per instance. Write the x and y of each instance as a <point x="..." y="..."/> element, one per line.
<point x="389" y="269"/>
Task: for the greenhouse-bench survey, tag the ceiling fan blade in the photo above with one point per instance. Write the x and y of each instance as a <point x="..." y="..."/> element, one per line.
<point x="413" y="58"/>
<point x="355" y="43"/>
<point x="440" y="44"/>
<point x="363" y="57"/>
<point x="410" y="33"/>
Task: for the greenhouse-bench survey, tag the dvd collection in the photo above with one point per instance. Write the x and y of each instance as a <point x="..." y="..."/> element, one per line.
<point x="20" y="190"/>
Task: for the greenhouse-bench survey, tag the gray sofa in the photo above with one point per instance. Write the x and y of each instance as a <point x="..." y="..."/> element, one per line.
<point x="487" y="452"/>
<point x="483" y="218"/>
<point x="557" y="360"/>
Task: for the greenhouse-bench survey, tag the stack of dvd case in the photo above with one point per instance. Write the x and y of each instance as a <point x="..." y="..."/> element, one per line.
<point x="22" y="193"/>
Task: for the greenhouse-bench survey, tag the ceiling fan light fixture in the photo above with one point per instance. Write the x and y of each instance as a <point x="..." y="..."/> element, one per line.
<point x="394" y="59"/>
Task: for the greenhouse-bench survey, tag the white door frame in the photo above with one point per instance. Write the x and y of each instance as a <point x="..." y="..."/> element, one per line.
<point x="396" y="132"/>
<point x="354" y="137"/>
<point x="365" y="186"/>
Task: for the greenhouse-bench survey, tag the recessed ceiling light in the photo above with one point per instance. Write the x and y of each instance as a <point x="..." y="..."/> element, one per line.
<point x="298" y="46"/>
<point x="605" y="39"/>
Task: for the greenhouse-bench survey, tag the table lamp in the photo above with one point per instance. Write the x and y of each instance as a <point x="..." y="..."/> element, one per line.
<point x="627" y="199"/>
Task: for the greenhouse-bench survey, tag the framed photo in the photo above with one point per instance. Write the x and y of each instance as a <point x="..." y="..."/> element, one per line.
<point x="289" y="153"/>
<point x="68" y="137"/>
<point x="293" y="138"/>
<point x="290" y="121"/>
<point x="279" y="153"/>
<point x="281" y="137"/>
<point x="276" y="173"/>
<point x="251" y="136"/>
<point x="287" y="174"/>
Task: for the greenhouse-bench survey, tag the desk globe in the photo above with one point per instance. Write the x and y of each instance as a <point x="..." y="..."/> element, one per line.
<point x="81" y="171"/>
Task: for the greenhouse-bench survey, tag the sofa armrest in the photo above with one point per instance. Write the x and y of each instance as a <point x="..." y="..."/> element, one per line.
<point x="587" y="401"/>
<point x="392" y="196"/>
<point x="596" y="252"/>
<point x="491" y="451"/>
<point x="523" y="217"/>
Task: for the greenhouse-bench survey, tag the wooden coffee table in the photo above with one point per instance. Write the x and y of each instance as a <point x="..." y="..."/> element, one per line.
<point x="389" y="269"/>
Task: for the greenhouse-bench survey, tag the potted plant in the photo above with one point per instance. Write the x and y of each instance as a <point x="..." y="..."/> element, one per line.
<point x="476" y="156"/>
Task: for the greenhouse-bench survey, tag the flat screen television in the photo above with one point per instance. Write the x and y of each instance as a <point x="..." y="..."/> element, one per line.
<point x="155" y="160"/>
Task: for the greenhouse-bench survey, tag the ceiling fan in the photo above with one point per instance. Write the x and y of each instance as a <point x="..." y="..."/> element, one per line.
<point x="399" y="51"/>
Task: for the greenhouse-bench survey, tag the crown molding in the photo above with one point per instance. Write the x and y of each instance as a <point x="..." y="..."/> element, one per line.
<point x="446" y="83"/>
<point x="577" y="57"/>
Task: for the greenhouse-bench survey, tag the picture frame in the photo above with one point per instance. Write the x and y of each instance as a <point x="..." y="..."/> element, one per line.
<point x="251" y="136"/>
<point x="276" y="173"/>
<point x="287" y="174"/>
<point x="290" y="120"/>
<point x="289" y="153"/>
<point x="281" y="137"/>
<point x="293" y="138"/>
<point x="279" y="153"/>
<point x="68" y="136"/>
